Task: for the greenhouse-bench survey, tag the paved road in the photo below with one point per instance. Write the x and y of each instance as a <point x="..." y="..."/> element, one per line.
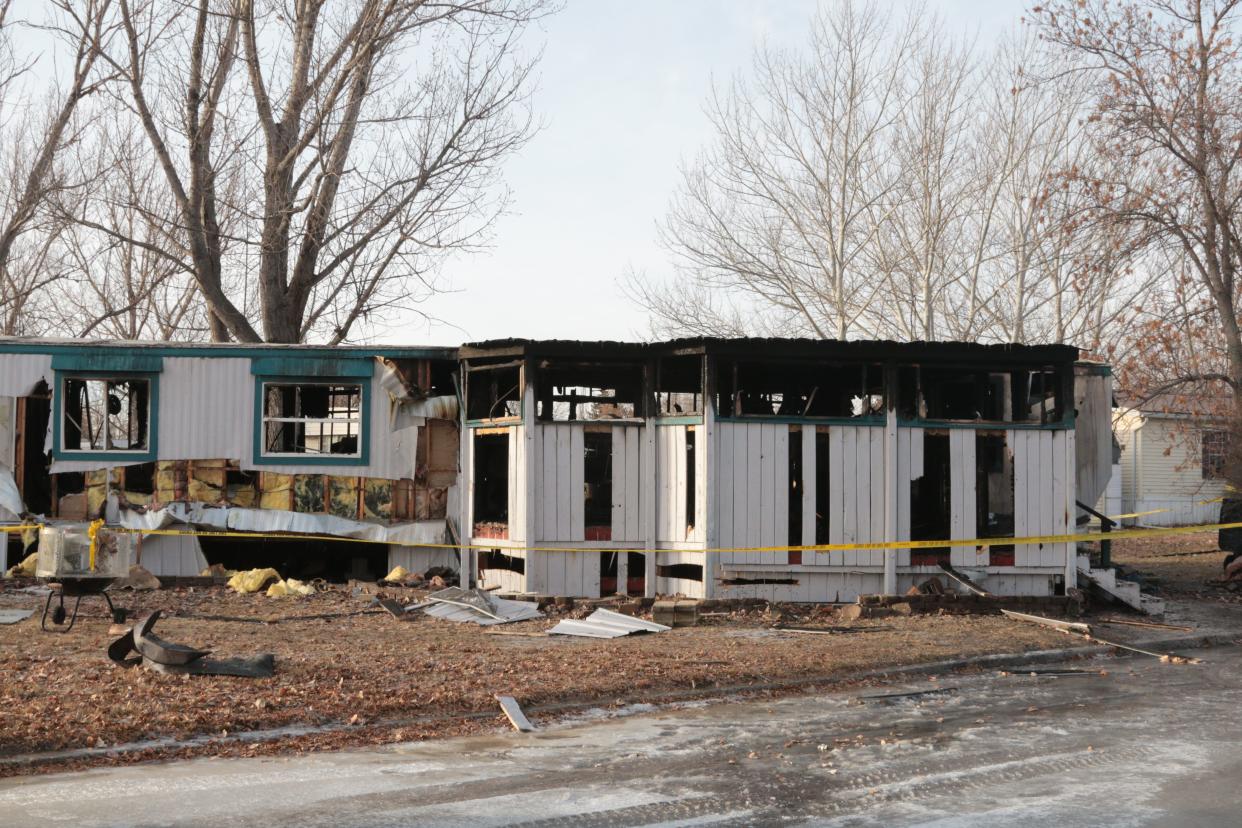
<point x="1146" y="744"/>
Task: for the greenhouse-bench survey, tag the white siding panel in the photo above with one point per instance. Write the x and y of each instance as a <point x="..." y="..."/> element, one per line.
<point x="577" y="484"/>
<point x="836" y="499"/>
<point x="963" y="475"/>
<point x="808" y="493"/>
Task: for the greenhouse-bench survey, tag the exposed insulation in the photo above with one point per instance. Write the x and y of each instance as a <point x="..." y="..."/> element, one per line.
<point x="377" y="498"/>
<point x="206" y="481"/>
<point x="275" y="491"/>
<point x="308" y="493"/>
<point x="343" y="496"/>
<point x="97" y="485"/>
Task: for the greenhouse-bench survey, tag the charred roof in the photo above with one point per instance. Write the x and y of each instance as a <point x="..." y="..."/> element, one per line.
<point x="779" y="348"/>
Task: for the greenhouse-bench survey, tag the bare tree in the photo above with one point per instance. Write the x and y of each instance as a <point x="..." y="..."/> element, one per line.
<point x="1168" y="87"/>
<point x="38" y="126"/>
<point x="323" y="157"/>
<point x="783" y="206"/>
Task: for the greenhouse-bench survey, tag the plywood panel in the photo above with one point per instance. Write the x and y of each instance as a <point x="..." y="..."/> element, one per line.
<point x="963" y="468"/>
<point x="723" y="456"/>
<point x="767" y="494"/>
<point x="617" y="520"/>
<point x="849" y="474"/>
<point x="564" y="448"/>
<point x="1060" y="465"/>
<point x="547" y="484"/>
<point x="876" y="556"/>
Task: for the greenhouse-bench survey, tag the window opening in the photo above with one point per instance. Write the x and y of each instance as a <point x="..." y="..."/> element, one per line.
<point x="589" y="391"/>
<point x="1215" y="454"/>
<point x="312" y="419"/>
<point x="679" y="385"/>
<point x="799" y="389"/>
<point x="106" y="414"/>
<point x="494" y="392"/>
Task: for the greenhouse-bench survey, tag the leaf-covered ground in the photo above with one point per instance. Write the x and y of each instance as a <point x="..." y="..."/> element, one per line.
<point x="371" y="678"/>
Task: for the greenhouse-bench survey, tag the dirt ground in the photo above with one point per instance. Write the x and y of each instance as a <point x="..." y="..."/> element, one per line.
<point x="1178" y="566"/>
<point x="366" y="677"/>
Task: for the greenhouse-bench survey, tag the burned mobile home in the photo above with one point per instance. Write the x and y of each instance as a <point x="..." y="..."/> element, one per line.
<point x="568" y="468"/>
<point x="343" y="442"/>
<point x="594" y="467"/>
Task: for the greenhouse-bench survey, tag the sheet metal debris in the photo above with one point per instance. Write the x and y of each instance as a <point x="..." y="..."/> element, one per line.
<point x="607" y="624"/>
<point x="12" y="616"/>
<point x="516" y="717"/>
<point x="476" y="606"/>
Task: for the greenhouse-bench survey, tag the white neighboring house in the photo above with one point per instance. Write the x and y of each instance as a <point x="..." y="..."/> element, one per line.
<point x="1173" y="460"/>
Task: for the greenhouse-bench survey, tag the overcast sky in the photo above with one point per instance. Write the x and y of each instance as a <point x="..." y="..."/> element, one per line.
<point x="621" y="91"/>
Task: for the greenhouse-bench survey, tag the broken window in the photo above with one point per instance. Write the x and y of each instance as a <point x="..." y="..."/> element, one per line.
<point x="494" y="392"/>
<point x="589" y="391"/>
<point x="799" y="389"/>
<point x="105" y="414"/>
<point x="597" y="477"/>
<point x="491" y="484"/>
<point x="994" y="495"/>
<point x="312" y="418"/>
<point x="964" y="394"/>
<point x="930" y="501"/>
<point x="679" y="385"/>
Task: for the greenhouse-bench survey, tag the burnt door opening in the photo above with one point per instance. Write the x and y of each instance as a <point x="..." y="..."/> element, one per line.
<point x="795" y="497"/>
<point x="690" y="483"/>
<point x="994" y="495"/>
<point x="33" y="478"/>
<point x="491" y="485"/>
<point x="597" y="480"/>
<point x="931" y="508"/>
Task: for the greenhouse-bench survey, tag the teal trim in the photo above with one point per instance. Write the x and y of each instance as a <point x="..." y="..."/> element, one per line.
<point x="101" y="362"/>
<point x="297" y="366"/>
<point x="17" y="346"/>
<point x="986" y="426"/>
<point x="153" y="431"/>
<point x="681" y="419"/>
<point x="872" y="421"/>
<point x="364" y="436"/>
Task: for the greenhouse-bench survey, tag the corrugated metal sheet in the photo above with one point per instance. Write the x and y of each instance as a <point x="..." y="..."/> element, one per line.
<point x="607" y="624"/>
<point x="477" y="607"/>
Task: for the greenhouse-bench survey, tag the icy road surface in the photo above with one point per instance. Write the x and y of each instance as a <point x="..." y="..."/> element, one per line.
<point x="1144" y="743"/>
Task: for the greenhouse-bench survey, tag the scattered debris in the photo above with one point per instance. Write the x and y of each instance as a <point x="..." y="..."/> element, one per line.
<point x="217" y="570"/>
<point x="12" y="616"/>
<point x="1129" y="622"/>
<point x="153" y="648"/>
<point x="25" y="569"/>
<point x="970" y="585"/>
<point x="395" y="608"/>
<point x="476" y="606"/>
<point x="400" y="576"/>
<point x="290" y="587"/>
<point x="253" y="580"/>
<point x="935" y="691"/>
<point x="1055" y="623"/>
<point x="606" y="624"/>
<point x="259" y="666"/>
<point x="516" y="717"/>
<point x="1167" y="658"/>
<point x="139" y="578"/>
<point x="828" y="630"/>
<point x="676" y="613"/>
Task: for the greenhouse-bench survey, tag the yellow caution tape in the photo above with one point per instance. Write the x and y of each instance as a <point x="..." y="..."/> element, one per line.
<point x="1117" y="534"/>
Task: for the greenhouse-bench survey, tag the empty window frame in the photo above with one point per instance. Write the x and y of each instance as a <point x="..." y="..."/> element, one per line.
<point x="961" y="393"/>
<point x="798" y="389"/>
<point x="569" y="391"/>
<point x="312" y="419"/>
<point x="106" y="415"/>
<point x="679" y="385"/>
<point x="494" y="392"/>
<point x="1214" y="451"/>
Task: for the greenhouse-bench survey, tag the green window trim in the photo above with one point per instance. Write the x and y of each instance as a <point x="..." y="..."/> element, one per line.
<point x="362" y="458"/>
<point x="59" y="452"/>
